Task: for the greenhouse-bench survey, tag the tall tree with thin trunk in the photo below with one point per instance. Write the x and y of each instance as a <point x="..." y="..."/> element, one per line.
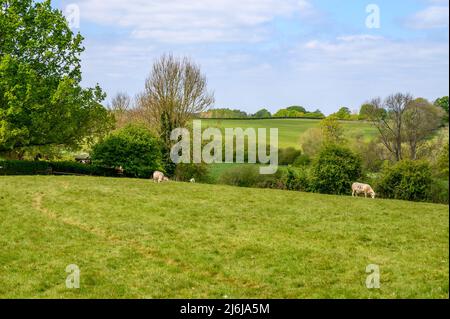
<point x="388" y="117"/>
<point x="175" y="91"/>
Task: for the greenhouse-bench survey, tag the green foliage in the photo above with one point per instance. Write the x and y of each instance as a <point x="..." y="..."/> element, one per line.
<point x="10" y="167"/>
<point x="407" y="180"/>
<point x="13" y="167"/>
<point x="296" y="108"/>
<point x="243" y="176"/>
<point x="262" y="114"/>
<point x="134" y="148"/>
<point x="335" y="169"/>
<point x="227" y="114"/>
<point x="185" y="172"/>
<point x="302" y="160"/>
<point x="287" y="156"/>
<point x="298" y="180"/>
<point x="443" y="103"/>
<point x="298" y="112"/>
<point x="249" y="176"/>
<point x="332" y="130"/>
<point x="439" y="192"/>
<point x="366" y="111"/>
<point x="41" y="101"/>
<point x="343" y="114"/>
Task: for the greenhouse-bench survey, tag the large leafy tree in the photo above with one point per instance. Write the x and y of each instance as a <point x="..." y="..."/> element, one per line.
<point x="41" y="100"/>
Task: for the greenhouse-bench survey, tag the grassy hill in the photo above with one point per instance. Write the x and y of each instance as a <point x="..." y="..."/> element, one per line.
<point x="136" y="239"/>
<point x="289" y="130"/>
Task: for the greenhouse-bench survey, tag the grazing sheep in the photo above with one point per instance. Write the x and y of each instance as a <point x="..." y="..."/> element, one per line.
<point x="159" y="177"/>
<point x="358" y="188"/>
<point x="192" y="180"/>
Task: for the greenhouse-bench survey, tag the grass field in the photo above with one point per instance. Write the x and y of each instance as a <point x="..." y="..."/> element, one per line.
<point x="136" y="239"/>
<point x="289" y="130"/>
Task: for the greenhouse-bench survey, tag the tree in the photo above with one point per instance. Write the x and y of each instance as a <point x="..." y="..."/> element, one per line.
<point x="332" y="130"/>
<point x="443" y="103"/>
<point x="121" y="107"/>
<point x="41" y="101"/>
<point x="388" y="117"/>
<point x="175" y="91"/>
<point x="335" y="169"/>
<point x="343" y="113"/>
<point x="365" y="111"/>
<point x="264" y="113"/>
<point x="296" y="108"/>
<point x="421" y="119"/>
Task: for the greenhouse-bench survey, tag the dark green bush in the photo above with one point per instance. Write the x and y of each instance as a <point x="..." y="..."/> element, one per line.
<point x="439" y="191"/>
<point x="287" y="156"/>
<point x="82" y="169"/>
<point x="185" y="172"/>
<point x="407" y="180"/>
<point x="242" y="176"/>
<point x="134" y="148"/>
<point x="249" y="176"/>
<point x="298" y="180"/>
<point x="334" y="170"/>
<point x="24" y="168"/>
<point x="47" y="168"/>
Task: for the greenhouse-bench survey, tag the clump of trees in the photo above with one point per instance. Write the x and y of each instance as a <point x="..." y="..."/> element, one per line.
<point x="298" y="111"/>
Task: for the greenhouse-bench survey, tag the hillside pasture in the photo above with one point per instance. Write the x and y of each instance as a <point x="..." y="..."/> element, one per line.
<point x="137" y="239"/>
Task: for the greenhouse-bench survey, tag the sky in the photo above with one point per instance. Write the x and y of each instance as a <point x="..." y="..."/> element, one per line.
<point x="321" y="54"/>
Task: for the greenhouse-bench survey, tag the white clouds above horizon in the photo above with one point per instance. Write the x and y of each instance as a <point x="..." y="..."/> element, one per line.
<point x="434" y="16"/>
<point x="269" y="53"/>
<point x="194" y="21"/>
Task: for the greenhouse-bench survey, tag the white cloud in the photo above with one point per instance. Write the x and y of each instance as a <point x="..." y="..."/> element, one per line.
<point x="432" y="17"/>
<point x="374" y="51"/>
<point x="195" y="20"/>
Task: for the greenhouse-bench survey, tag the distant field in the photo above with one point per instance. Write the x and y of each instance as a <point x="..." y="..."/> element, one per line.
<point x="136" y="239"/>
<point x="290" y="129"/>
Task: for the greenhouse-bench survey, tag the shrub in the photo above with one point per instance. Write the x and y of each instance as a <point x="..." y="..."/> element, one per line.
<point x="47" y="168"/>
<point x="298" y="180"/>
<point x="185" y="172"/>
<point x="407" y="180"/>
<point x="134" y="148"/>
<point x="24" y="168"/>
<point x="334" y="170"/>
<point x="287" y="156"/>
<point x="242" y="176"/>
<point x="302" y="160"/>
<point x="439" y="191"/>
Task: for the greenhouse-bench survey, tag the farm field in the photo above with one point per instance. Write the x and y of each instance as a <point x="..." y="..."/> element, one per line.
<point x="136" y="239"/>
<point x="289" y="130"/>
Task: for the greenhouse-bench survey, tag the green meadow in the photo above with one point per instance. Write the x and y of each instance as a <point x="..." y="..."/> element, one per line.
<point x="137" y="239"/>
<point x="290" y="130"/>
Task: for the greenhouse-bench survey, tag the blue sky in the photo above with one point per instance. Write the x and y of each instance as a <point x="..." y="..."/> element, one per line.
<point x="272" y="53"/>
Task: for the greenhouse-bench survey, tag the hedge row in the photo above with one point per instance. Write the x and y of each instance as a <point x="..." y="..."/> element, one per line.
<point x="49" y="168"/>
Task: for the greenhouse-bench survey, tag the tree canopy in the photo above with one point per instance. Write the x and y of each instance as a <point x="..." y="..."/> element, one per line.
<point x="41" y="100"/>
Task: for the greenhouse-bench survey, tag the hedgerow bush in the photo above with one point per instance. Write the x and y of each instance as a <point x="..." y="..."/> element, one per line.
<point x="287" y="156"/>
<point x="185" y="172"/>
<point x="249" y="176"/>
<point x="334" y="170"/>
<point x="407" y="180"/>
<point x="47" y="168"/>
<point x="298" y="180"/>
<point x="11" y="167"/>
<point x="133" y="148"/>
